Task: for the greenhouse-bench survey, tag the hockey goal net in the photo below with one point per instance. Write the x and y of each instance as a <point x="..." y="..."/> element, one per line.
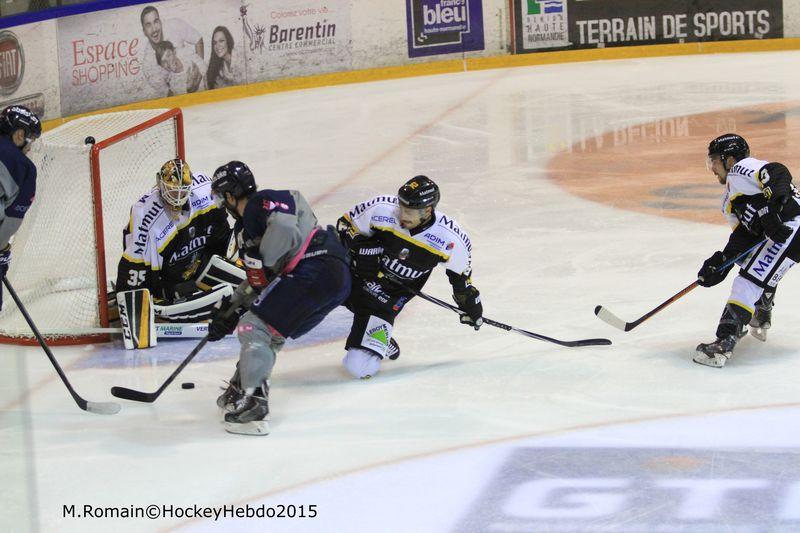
<point x="71" y="239"/>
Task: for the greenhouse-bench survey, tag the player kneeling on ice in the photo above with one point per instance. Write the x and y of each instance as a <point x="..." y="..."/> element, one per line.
<point x="760" y="203"/>
<point x="174" y="250"/>
<point x="19" y="128"/>
<point x="298" y="272"/>
<point x="395" y="242"/>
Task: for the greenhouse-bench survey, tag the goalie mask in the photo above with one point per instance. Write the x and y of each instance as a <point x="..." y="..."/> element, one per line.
<point x="175" y="182"/>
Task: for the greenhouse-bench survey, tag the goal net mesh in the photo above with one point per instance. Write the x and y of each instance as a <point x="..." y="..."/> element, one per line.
<point x="56" y="256"/>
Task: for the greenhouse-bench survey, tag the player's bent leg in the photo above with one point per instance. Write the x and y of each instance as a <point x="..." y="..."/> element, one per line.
<point x="361" y="363"/>
<point x="260" y="346"/>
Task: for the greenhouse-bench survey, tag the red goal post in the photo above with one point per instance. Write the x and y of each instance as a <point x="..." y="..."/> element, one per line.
<point x="71" y="239"/>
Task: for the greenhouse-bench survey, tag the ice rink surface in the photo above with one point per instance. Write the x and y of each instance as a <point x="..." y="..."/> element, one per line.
<point x="579" y="185"/>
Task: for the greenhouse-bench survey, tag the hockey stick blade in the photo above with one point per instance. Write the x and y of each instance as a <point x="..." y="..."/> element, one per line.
<point x="611" y="319"/>
<point x="103" y="408"/>
<point x="587" y="342"/>
<point x="134" y="395"/>
<point x="98" y="408"/>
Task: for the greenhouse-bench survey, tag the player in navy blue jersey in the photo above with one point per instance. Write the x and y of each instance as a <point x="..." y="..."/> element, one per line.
<point x="19" y="128"/>
<point x="297" y="273"/>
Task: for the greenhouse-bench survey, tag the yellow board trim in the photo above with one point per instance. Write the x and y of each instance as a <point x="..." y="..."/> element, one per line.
<point x="445" y="67"/>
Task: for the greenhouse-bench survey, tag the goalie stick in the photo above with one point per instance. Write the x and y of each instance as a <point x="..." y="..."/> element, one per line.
<point x="99" y="408"/>
<point x="613" y="320"/>
<point x="489" y="321"/>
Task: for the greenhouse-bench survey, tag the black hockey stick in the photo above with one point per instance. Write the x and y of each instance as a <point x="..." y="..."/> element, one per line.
<point x="98" y="408"/>
<point x="569" y="344"/>
<point x="149" y="397"/>
<point x="613" y="320"/>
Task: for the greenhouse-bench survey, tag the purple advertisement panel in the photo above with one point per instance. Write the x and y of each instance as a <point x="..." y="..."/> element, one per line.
<point x="443" y="26"/>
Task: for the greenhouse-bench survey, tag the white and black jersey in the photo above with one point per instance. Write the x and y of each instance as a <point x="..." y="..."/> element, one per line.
<point x="163" y="249"/>
<point x="744" y="198"/>
<point x="411" y="255"/>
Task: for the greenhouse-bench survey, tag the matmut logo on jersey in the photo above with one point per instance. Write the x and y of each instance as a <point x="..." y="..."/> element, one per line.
<point x="450" y="223"/>
<point x="360" y="208"/>
<point x="396" y="267"/>
<point x="143" y="228"/>
<point x="194" y="245"/>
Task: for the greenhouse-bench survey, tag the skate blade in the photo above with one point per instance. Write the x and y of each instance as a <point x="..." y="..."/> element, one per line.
<point x="259" y="427"/>
<point x="759" y="333"/>
<point x="718" y="361"/>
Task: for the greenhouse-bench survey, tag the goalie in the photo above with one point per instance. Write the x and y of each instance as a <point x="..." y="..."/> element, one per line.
<point x="174" y="249"/>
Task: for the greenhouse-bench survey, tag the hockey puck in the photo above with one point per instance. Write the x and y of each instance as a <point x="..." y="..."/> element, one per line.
<point x="187" y="385"/>
<point x="89" y="140"/>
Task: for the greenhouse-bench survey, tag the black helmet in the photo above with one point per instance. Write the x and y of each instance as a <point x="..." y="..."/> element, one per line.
<point x="235" y="178"/>
<point x="419" y="192"/>
<point x="729" y="144"/>
<point x="17" y="117"/>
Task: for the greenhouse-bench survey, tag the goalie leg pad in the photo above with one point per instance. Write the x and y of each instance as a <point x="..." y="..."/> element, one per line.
<point x="137" y="319"/>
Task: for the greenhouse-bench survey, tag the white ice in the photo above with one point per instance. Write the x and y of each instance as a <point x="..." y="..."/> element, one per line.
<point x="467" y="431"/>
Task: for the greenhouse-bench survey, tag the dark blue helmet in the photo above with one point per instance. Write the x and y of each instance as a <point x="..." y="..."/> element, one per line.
<point x="419" y="192"/>
<point x="727" y="145"/>
<point x="17" y="117"/>
<point x="235" y="178"/>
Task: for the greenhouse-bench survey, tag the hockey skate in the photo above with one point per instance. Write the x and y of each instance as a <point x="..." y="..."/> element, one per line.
<point x="393" y="351"/>
<point x="761" y="322"/>
<point x="717" y="353"/>
<point x="250" y="414"/>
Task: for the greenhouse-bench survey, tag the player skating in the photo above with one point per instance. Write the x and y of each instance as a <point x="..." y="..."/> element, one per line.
<point x="395" y="242"/>
<point x="760" y="203"/>
<point x="299" y="273"/>
<point x="19" y="128"/>
<point x="174" y="247"/>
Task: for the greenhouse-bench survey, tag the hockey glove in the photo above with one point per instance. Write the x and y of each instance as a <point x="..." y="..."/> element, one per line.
<point x="710" y="274"/>
<point x="773" y="227"/>
<point x="223" y="322"/>
<point x="366" y="255"/>
<point x="469" y="301"/>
